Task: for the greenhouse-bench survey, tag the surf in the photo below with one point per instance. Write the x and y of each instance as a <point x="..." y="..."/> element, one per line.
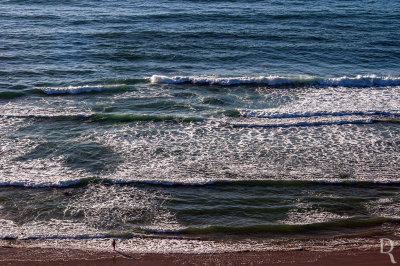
<point x="280" y="81"/>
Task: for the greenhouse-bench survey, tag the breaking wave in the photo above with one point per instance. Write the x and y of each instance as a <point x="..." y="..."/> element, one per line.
<point x="276" y="81"/>
<point x="81" y="89"/>
<point x="221" y="182"/>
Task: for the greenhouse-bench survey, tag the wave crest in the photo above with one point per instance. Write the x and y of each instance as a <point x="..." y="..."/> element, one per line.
<point x="79" y="89"/>
<point x="276" y="81"/>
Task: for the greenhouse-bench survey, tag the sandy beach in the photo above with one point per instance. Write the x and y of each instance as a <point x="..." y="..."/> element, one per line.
<point x="47" y="256"/>
<point x="343" y="251"/>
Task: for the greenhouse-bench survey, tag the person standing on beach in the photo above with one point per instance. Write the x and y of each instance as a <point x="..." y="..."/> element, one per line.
<point x="113" y="243"/>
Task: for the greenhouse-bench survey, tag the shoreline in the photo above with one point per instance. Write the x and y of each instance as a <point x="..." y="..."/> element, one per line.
<point x="318" y="251"/>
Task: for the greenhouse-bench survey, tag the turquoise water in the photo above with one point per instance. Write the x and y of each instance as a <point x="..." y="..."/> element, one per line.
<point x="205" y="118"/>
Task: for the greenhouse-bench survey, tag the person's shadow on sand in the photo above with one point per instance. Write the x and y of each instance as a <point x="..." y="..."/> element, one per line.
<point x="123" y="254"/>
<point x="114" y="245"/>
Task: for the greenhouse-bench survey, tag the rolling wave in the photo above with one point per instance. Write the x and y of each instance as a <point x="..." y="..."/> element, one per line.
<point x="264" y="114"/>
<point x="318" y="118"/>
<point x="306" y="124"/>
<point x="83" y="182"/>
<point x="81" y="89"/>
<point x="123" y="117"/>
<point x="355" y="222"/>
<point x="278" y="81"/>
<point x="10" y="94"/>
<point x="142" y="232"/>
<point x="142" y="117"/>
<point x="271" y="81"/>
<point x="366" y="117"/>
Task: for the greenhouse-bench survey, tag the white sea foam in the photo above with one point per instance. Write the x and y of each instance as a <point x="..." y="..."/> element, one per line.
<point x="296" y="217"/>
<point x="39" y="184"/>
<point x="77" y="89"/>
<point x="306" y="124"/>
<point x="358" y="81"/>
<point x="50" y="229"/>
<point x="73" y="182"/>
<point x="266" y="114"/>
<point x="270" y="80"/>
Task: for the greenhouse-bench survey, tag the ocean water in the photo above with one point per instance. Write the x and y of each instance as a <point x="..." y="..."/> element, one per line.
<point x="213" y="119"/>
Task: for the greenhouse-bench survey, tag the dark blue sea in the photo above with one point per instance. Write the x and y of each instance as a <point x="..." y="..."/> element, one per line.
<point x="224" y="120"/>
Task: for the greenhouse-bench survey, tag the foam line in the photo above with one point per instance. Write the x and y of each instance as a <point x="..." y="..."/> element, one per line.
<point x="307" y="124"/>
<point x="263" y="114"/>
